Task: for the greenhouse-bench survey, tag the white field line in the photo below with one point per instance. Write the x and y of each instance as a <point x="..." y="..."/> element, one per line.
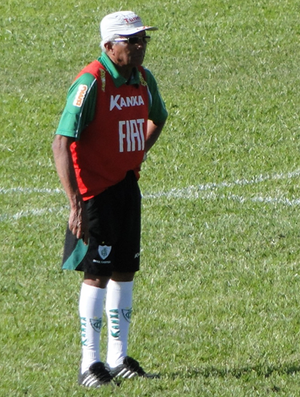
<point x="193" y="191"/>
<point x="29" y="190"/>
<point x="203" y="192"/>
<point x="33" y="212"/>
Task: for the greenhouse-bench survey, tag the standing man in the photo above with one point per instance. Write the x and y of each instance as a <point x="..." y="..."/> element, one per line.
<point x="113" y="116"/>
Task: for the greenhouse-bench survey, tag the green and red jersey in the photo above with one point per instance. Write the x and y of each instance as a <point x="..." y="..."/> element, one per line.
<point x="107" y="117"/>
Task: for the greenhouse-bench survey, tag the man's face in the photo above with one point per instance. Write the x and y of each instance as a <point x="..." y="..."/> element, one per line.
<point x="129" y="53"/>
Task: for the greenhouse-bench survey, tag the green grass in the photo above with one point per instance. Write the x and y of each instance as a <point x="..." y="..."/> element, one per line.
<point x="217" y="301"/>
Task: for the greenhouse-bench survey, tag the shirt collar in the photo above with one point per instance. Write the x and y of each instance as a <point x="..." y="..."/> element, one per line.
<point x="117" y="78"/>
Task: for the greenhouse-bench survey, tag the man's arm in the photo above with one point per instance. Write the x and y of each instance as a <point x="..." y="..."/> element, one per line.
<point x="78" y="222"/>
<point x="153" y="132"/>
<point x="157" y="112"/>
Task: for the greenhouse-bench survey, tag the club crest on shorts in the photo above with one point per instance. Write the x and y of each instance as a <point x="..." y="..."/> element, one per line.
<point x="104" y="251"/>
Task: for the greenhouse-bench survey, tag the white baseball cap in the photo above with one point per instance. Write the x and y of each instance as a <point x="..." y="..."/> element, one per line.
<point x="121" y="23"/>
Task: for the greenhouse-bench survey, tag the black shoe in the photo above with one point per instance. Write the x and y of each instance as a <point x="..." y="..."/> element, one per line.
<point x="97" y="375"/>
<point x="129" y="369"/>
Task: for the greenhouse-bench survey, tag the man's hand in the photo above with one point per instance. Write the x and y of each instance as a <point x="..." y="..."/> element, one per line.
<point x="78" y="220"/>
<point x="78" y="223"/>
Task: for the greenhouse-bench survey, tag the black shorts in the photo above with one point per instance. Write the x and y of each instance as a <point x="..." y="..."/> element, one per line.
<point x="114" y="229"/>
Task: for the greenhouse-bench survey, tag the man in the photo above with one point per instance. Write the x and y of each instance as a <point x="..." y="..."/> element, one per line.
<point x="113" y="116"/>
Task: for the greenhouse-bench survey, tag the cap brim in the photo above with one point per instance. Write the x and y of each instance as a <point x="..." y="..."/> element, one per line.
<point x="129" y="32"/>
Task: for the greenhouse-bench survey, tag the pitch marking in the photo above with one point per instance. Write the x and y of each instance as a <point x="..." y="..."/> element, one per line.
<point x="202" y="191"/>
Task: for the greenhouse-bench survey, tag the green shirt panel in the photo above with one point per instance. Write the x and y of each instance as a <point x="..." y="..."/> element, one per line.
<point x="75" y="118"/>
<point x="157" y="108"/>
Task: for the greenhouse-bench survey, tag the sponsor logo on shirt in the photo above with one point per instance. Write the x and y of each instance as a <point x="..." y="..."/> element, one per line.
<point x="131" y="135"/>
<point x="80" y="95"/>
<point x="119" y="102"/>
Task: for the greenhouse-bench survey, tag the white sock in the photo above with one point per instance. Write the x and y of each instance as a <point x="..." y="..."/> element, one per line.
<point x="118" y="311"/>
<point x="90" y="312"/>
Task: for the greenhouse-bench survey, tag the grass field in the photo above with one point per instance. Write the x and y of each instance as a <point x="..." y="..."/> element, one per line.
<point x="217" y="301"/>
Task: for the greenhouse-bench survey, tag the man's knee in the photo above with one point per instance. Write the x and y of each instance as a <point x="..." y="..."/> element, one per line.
<point x="96" y="281"/>
<point x="117" y="276"/>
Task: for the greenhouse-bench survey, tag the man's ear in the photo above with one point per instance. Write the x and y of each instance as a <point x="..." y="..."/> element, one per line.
<point x="108" y="46"/>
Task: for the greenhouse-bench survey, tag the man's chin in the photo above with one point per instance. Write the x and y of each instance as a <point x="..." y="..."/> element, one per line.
<point x="137" y="61"/>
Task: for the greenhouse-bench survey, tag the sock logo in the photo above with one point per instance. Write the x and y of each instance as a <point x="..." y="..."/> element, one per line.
<point x="83" y="331"/>
<point x="127" y="314"/>
<point x="115" y="323"/>
<point x="104" y="251"/>
<point x="96" y="324"/>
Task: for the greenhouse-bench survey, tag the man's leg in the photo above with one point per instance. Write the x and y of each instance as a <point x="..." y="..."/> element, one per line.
<point x="118" y="311"/>
<point x="92" y="295"/>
